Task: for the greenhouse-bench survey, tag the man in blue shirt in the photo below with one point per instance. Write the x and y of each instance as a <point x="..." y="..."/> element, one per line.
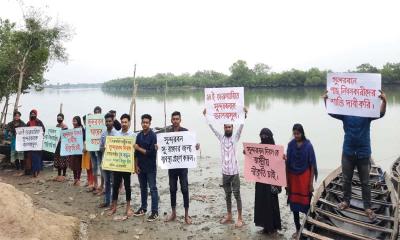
<point x="357" y="153"/>
<point x="146" y="168"/>
<point x="106" y="173"/>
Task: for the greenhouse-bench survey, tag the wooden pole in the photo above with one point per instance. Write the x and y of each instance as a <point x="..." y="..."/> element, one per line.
<point x="133" y="101"/>
<point x="165" y="105"/>
<point x="6" y="112"/>
<point x="61" y="107"/>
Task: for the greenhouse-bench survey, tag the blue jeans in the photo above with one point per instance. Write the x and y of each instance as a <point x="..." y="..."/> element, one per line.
<point x="96" y="158"/>
<point x="148" y="179"/>
<point x="363" y="166"/>
<point x="107" y="185"/>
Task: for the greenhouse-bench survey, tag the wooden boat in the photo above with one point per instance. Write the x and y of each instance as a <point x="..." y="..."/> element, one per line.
<point x="395" y="173"/>
<point x="325" y="221"/>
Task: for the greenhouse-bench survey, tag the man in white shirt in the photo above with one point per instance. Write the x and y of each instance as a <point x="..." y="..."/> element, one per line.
<point x="230" y="169"/>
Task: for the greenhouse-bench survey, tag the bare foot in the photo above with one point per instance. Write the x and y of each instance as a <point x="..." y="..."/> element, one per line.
<point x="226" y="220"/>
<point x="129" y="213"/>
<point x="170" y="218"/>
<point x="188" y="220"/>
<point x="112" y="211"/>
<point x="239" y="223"/>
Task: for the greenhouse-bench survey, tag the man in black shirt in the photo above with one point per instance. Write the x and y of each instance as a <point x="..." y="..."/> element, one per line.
<point x="117" y="124"/>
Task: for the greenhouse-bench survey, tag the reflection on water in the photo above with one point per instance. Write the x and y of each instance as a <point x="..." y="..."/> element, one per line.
<point x="277" y="109"/>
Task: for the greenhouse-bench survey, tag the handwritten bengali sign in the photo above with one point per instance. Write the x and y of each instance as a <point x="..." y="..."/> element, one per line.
<point x="119" y="154"/>
<point x="71" y="142"/>
<point x="225" y="105"/>
<point x="264" y="163"/>
<point x="29" y="139"/>
<point x="95" y="125"/>
<point x="51" y="139"/>
<point x="176" y="150"/>
<point x="354" y="94"/>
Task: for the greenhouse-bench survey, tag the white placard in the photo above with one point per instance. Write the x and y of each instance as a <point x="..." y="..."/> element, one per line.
<point x="354" y="94"/>
<point x="29" y="139"/>
<point x="176" y="150"/>
<point x="224" y="105"/>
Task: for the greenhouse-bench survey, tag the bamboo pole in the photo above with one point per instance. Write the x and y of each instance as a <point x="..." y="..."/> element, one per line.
<point x="132" y="108"/>
<point x="165" y="105"/>
<point x="61" y="107"/>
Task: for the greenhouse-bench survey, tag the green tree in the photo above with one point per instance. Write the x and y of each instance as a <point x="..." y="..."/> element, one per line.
<point x="30" y="49"/>
<point x="240" y="73"/>
<point x="367" y="68"/>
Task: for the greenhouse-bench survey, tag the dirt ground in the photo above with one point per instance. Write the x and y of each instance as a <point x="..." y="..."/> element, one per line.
<point x="207" y="206"/>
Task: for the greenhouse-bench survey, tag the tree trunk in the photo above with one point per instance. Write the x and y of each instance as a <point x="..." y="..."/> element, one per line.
<point x="4" y="114"/>
<point x="21" y="78"/>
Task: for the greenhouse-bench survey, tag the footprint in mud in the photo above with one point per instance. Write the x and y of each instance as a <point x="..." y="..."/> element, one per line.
<point x="68" y="203"/>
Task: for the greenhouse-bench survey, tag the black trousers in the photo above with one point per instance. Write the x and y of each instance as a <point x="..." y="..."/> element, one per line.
<point x="117" y="179"/>
<point x="182" y="175"/>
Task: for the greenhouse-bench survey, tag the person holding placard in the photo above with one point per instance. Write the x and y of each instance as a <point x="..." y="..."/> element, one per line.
<point x="87" y="163"/>
<point x="146" y="167"/>
<point x="179" y="173"/>
<point x="125" y="176"/>
<point x="110" y="131"/>
<point x="357" y="153"/>
<point x="16" y="157"/>
<point x="266" y="203"/>
<point x="76" y="160"/>
<point x="96" y="157"/>
<point x="230" y="169"/>
<point x="35" y="162"/>
<point x="301" y="169"/>
<point x="60" y="162"/>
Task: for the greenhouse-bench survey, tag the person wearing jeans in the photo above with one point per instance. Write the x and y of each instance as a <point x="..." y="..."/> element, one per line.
<point x="107" y="175"/>
<point x="180" y="174"/>
<point x="357" y="153"/>
<point x="146" y="168"/>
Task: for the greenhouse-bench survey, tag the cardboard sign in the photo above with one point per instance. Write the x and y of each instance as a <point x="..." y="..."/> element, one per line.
<point x="264" y="163"/>
<point x="71" y="142"/>
<point x="51" y="139"/>
<point x="95" y="125"/>
<point x="225" y="105"/>
<point x="176" y="150"/>
<point x="29" y="139"/>
<point x="354" y="94"/>
<point x="119" y="154"/>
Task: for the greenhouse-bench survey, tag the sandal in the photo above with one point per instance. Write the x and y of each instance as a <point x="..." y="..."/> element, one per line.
<point x="343" y="205"/>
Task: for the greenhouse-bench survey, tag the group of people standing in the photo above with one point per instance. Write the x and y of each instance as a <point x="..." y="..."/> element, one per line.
<point x="301" y="167"/>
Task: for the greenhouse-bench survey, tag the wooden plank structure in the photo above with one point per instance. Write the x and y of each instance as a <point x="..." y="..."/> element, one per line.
<point x="395" y="173"/>
<point x="326" y="221"/>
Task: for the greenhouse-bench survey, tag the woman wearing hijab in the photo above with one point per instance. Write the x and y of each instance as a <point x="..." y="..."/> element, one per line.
<point x="266" y="204"/>
<point x="60" y="163"/>
<point x="15" y="156"/>
<point x="34" y="161"/>
<point x="301" y="169"/>
<point x="75" y="161"/>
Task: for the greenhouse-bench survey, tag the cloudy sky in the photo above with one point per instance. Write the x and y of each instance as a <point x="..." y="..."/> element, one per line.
<point x="185" y="35"/>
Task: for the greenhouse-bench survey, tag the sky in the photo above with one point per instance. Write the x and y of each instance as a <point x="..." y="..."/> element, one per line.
<point x="184" y="36"/>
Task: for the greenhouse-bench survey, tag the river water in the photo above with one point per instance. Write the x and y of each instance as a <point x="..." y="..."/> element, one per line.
<point x="277" y="109"/>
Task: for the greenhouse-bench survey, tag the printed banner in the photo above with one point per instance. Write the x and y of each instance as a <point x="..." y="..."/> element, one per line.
<point x="176" y="150"/>
<point x="71" y="142"/>
<point x="354" y="94"/>
<point x="119" y="154"/>
<point x="225" y="105"/>
<point x="95" y="125"/>
<point x="264" y="163"/>
<point x="29" y="139"/>
<point x="51" y="139"/>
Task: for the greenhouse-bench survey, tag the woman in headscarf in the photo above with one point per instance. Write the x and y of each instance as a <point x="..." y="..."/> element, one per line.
<point x="301" y="169"/>
<point x="15" y="156"/>
<point x="35" y="162"/>
<point x="266" y="204"/>
<point x="60" y="163"/>
<point x="75" y="161"/>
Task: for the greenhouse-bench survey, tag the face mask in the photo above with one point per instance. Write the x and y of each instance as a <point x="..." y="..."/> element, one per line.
<point x="59" y="120"/>
<point x="32" y="117"/>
